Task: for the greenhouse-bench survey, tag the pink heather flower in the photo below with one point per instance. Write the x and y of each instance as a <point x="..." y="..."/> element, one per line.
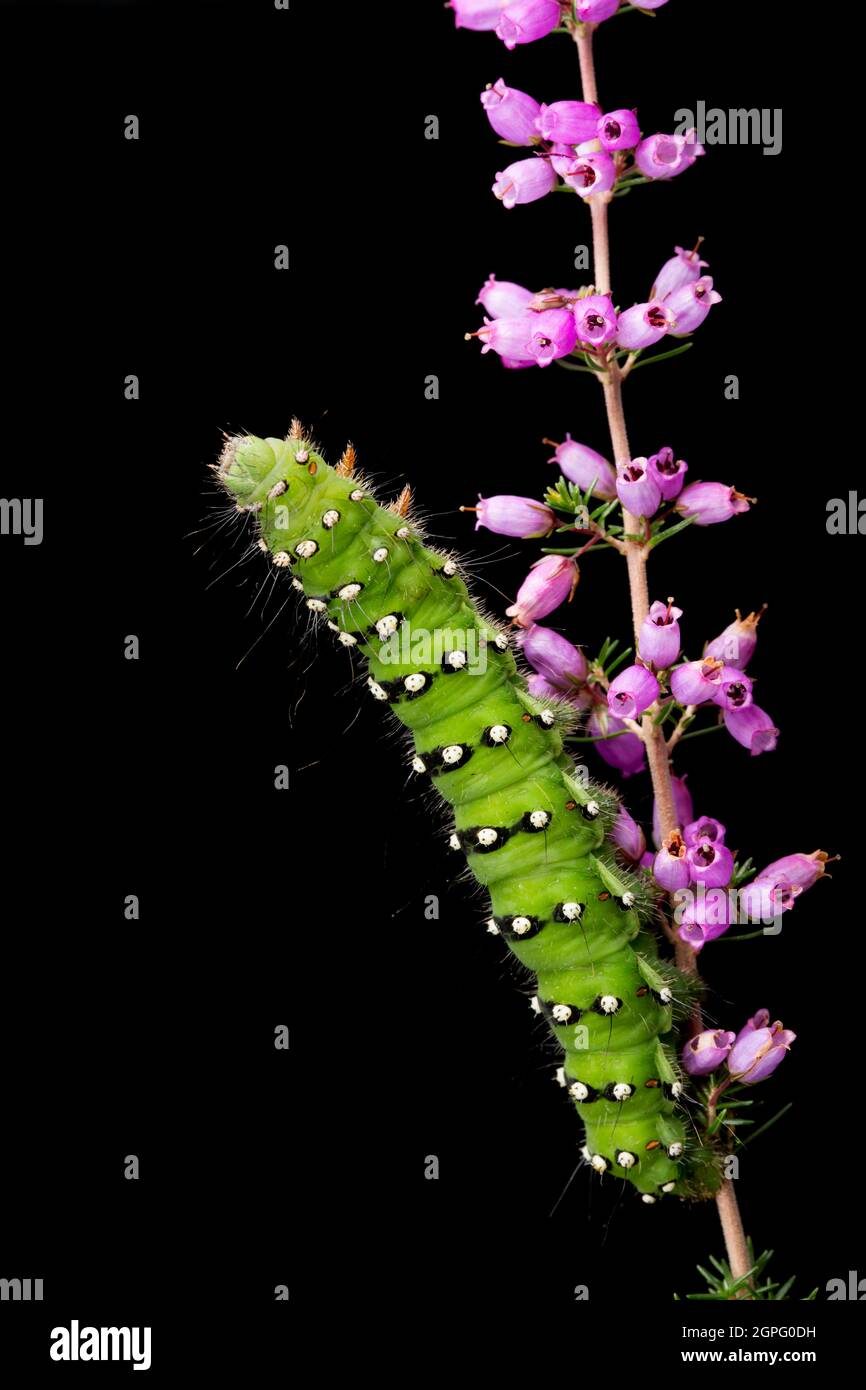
<point x="753" y="728"/>
<point x="765" y="899"/>
<point x="515" y="363"/>
<point x="691" y="304"/>
<point x="696" y="682"/>
<point x="626" y="752"/>
<point x="511" y="113"/>
<point x="683" y="807"/>
<point x="659" y="643"/>
<point x="643" y="324"/>
<point x="736" y="645"/>
<point x="710" y="503"/>
<point x="682" y="269"/>
<point x="528" y="20"/>
<point x="476" y="14"/>
<point x="568" y="122"/>
<point x="594" y="11"/>
<point x="578" y="696"/>
<point x="524" y="182"/>
<point x="797" y="870"/>
<point x="758" y="1049"/>
<point x="628" y="837"/>
<point x="632" y="691"/>
<point x="507" y="515"/>
<point x="671" y="865"/>
<point x="595" y="318"/>
<point x="668" y="473"/>
<point x="549" y="583"/>
<point x="555" y="658"/>
<point x="636" y="490"/>
<point x="705" y="828"/>
<point x="663" y="156"/>
<point x="702" y="914"/>
<point x="591" y="172"/>
<point x="706" y="1051"/>
<point x="503" y="298"/>
<point x="618" y="130"/>
<point x="531" y="337"/>
<point x="583" y="466"/>
<point x="735" y="689"/>
<point x="710" y="864"/>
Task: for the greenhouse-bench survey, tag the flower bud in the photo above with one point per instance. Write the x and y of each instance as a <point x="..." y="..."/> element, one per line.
<point x="506" y="515"/>
<point x="527" y="20"/>
<point x="633" y="691"/>
<point x="511" y="113"/>
<point x="628" y="837"/>
<point x="554" y="657"/>
<point x="659" y="642"/>
<point x="549" y="583"/>
<point x="736" y="645"/>
<point x="710" y="503"/>
<point x="568" y="122"/>
<point x="626" y="752"/>
<point x="583" y="466"/>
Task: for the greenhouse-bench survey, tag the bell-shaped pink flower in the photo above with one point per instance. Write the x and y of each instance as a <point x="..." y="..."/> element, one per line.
<point x="554" y="657"/>
<point x="528" y="20"/>
<point x="696" y="682"/>
<point x="524" y="182"/>
<point x="667" y="472"/>
<point x="594" y="11"/>
<point x="753" y="728"/>
<point x="618" y="130"/>
<point x="595" y="318"/>
<point x="736" y="645"/>
<point x="511" y="113"/>
<point x="568" y="122"/>
<point x="710" y="503"/>
<point x="592" y="171"/>
<point x="578" y="696"/>
<point x="765" y="899"/>
<point x="627" y="835"/>
<point x="632" y="691"/>
<point x="476" y="14"/>
<point x="503" y="298"/>
<point x="705" y="828"/>
<point x="759" y="1049"/>
<point x="671" y="865"/>
<point x="703" y="914"/>
<point x="549" y="583"/>
<point x="710" y="864"/>
<point x="531" y="337"/>
<point x="626" y="752"/>
<point x="583" y="466"/>
<point x="691" y="304"/>
<point x="644" y="324"/>
<point x="683" y="268"/>
<point x="636" y="490"/>
<point x="798" y="870"/>
<point x="664" y="156"/>
<point x="659" y="642"/>
<point x="706" y="1051"/>
<point x="735" y="689"/>
<point x="507" y="515"/>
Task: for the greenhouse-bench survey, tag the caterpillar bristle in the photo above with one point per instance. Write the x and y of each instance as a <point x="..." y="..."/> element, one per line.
<point x="346" y="466"/>
<point x="401" y="504"/>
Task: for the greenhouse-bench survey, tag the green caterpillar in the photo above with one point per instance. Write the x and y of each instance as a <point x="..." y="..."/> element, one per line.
<point x="532" y="828"/>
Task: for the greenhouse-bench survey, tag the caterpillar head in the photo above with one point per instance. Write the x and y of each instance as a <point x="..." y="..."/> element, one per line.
<point x="257" y="471"/>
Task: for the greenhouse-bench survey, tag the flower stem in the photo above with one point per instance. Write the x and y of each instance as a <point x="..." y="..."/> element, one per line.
<point x="636" y="557"/>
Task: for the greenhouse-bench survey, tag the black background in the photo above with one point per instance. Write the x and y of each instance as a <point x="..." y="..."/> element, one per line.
<point x="408" y="1037"/>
